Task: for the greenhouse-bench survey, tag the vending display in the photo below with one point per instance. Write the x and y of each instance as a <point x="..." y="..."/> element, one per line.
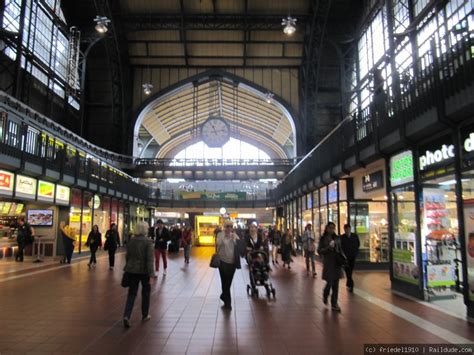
<point x="205" y="227"/>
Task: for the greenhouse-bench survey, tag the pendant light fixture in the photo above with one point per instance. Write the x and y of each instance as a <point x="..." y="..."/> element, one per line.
<point x="289" y="24"/>
<point x="101" y="24"/>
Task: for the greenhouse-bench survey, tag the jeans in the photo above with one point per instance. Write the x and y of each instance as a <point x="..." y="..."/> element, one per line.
<point x="112" y="257"/>
<point x="187" y="250"/>
<point x="161" y="252"/>
<point x="274" y="252"/>
<point x="135" y="279"/>
<point x="349" y="270"/>
<point x="226" y="272"/>
<point x="93" y="260"/>
<point x="21" y="249"/>
<point x="334" y="285"/>
<point x="309" y="255"/>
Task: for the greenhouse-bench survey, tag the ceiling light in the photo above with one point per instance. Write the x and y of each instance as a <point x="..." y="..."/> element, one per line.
<point x="290" y="25"/>
<point x="269" y="97"/>
<point x="147" y="88"/>
<point x="101" y="24"/>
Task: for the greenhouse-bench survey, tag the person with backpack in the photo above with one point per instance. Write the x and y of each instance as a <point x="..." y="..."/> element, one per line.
<point x="139" y="267"/>
<point x="24" y="237"/>
<point x="112" y="241"/>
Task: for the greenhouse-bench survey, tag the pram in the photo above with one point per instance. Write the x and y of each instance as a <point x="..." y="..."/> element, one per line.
<point x="258" y="273"/>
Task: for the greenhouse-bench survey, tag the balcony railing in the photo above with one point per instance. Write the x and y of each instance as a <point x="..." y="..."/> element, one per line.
<point x="159" y="163"/>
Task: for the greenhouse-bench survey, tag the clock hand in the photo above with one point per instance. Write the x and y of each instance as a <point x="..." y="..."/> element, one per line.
<point x="214" y="128"/>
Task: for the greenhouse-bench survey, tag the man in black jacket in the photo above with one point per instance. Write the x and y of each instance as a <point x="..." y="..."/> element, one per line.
<point x="350" y="246"/>
<point x="162" y="236"/>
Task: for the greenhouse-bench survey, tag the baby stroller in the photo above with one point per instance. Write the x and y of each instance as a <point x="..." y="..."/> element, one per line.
<point x="258" y="273"/>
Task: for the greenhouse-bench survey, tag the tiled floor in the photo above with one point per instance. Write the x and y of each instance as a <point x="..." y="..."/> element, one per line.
<point x="69" y="310"/>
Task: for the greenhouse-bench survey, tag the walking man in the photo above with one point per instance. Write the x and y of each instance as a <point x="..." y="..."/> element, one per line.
<point x="350" y="246"/>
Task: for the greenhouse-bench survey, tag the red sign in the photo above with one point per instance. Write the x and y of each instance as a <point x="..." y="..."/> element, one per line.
<point x="6" y="181"/>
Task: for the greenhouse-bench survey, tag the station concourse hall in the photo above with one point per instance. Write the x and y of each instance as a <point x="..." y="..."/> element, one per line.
<point x="237" y="177"/>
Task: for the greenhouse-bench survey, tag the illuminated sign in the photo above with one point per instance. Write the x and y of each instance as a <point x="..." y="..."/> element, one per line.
<point x="96" y="202"/>
<point x="45" y="190"/>
<point x="6" y="181"/>
<point x="446" y="152"/>
<point x="63" y="194"/>
<point x="401" y="168"/>
<point x="371" y="182"/>
<point x="25" y="186"/>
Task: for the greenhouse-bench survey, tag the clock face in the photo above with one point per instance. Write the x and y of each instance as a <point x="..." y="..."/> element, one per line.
<point x="215" y="132"/>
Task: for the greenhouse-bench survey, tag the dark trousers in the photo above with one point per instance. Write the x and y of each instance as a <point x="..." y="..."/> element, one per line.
<point x="21" y="250"/>
<point x="112" y="257"/>
<point x="93" y="260"/>
<point x="349" y="270"/>
<point x="334" y="285"/>
<point x="226" y="272"/>
<point x="68" y="249"/>
<point x="135" y="279"/>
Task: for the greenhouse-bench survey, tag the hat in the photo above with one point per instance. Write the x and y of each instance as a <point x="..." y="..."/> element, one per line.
<point x="159" y="221"/>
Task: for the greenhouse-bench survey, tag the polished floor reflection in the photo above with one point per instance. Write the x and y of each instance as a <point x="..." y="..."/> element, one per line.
<point x="51" y="309"/>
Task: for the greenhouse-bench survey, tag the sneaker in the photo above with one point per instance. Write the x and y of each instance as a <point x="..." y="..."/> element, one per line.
<point x="127" y="323"/>
<point x="146" y="318"/>
<point x="164" y="272"/>
<point x="336" y="308"/>
<point x="314" y="274"/>
<point x="111" y="268"/>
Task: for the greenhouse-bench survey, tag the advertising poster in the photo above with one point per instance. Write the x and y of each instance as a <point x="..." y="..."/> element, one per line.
<point x="401" y="168"/>
<point x="45" y="190"/>
<point x="440" y="275"/>
<point x="469" y="230"/>
<point x="6" y="181"/>
<point x="404" y="267"/>
<point x="25" y="187"/>
<point x="63" y="194"/>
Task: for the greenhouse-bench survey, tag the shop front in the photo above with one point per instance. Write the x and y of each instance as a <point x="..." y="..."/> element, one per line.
<point x="368" y="212"/>
<point x="432" y="221"/>
<point x="41" y="202"/>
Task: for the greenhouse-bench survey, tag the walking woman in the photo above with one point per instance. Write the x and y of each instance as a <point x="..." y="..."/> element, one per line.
<point x="275" y="239"/>
<point x="186" y="241"/>
<point x="287" y="248"/>
<point x="94" y="241"/>
<point x="112" y="241"/>
<point x="309" y="247"/>
<point x="229" y="250"/>
<point x="139" y="265"/>
<point x="331" y="251"/>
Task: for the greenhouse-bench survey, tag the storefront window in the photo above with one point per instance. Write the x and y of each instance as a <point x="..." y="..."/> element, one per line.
<point x="369" y="221"/>
<point x="88" y="203"/>
<point x="342" y="190"/>
<point x="439" y="234"/>
<point x="333" y="216"/>
<point x="405" y="265"/>
<point x="468" y="204"/>
<point x="342" y="216"/>
<point x="323" y="210"/>
<point x="316" y="221"/>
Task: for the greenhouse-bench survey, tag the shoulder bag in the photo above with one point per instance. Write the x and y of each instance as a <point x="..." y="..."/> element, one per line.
<point x="215" y="259"/>
<point x="126" y="279"/>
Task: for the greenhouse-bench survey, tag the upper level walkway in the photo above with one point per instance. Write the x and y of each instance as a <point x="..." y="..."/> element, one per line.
<point x="213" y="169"/>
<point x="70" y="309"/>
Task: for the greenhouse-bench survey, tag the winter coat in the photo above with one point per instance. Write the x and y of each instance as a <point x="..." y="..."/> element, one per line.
<point x="332" y="270"/>
<point x="112" y="239"/>
<point x="161" y="241"/>
<point x="94" y="240"/>
<point x="139" y="256"/>
<point x="350" y="245"/>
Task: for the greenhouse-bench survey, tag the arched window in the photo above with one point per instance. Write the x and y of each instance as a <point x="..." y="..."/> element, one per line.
<point x="233" y="149"/>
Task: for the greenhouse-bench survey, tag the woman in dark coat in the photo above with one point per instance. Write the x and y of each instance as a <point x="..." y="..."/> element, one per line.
<point x="94" y="241"/>
<point x="331" y="251"/>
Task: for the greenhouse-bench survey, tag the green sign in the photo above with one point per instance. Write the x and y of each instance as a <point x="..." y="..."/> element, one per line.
<point x="401" y="168"/>
<point x="403" y="267"/>
<point x="402" y="255"/>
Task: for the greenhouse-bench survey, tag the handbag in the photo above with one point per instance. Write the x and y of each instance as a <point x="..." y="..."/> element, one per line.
<point x="215" y="261"/>
<point x="106" y="244"/>
<point x="126" y="280"/>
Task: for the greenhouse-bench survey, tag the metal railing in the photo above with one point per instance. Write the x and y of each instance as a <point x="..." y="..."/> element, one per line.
<point x="165" y="162"/>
